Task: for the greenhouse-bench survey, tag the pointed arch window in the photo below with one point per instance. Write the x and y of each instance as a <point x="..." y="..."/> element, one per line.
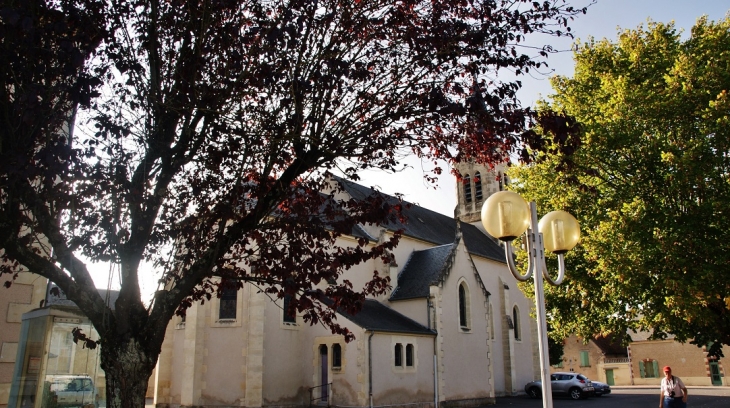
<point x="478" y="186"/>
<point x="398" y="355"/>
<point x="464" y="306"/>
<point x="467" y="188"/>
<point x="516" y="320"/>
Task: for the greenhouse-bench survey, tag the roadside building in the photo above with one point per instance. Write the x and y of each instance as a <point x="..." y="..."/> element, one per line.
<point x="601" y="358"/>
<point x="604" y="359"/>
<point x="689" y="362"/>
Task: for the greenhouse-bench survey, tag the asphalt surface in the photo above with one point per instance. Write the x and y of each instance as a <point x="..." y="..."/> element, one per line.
<point x="628" y="397"/>
<point x="620" y="397"/>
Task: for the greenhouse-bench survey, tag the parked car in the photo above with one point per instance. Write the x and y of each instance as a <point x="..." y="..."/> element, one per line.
<point x="600" y="388"/>
<point x="70" y="390"/>
<point x="573" y="385"/>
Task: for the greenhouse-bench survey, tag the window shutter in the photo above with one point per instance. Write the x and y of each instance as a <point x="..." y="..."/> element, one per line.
<point x="656" y="368"/>
<point x="642" y="371"/>
<point x="584" y="362"/>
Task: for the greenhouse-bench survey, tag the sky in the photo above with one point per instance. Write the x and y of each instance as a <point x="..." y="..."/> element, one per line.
<point x="604" y="19"/>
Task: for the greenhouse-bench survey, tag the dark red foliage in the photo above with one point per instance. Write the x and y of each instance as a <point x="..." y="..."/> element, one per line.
<point x="80" y="336"/>
<point x="210" y="129"/>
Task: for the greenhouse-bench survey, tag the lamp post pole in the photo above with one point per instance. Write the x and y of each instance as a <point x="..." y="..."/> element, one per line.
<point x="506" y="216"/>
<point x="537" y="253"/>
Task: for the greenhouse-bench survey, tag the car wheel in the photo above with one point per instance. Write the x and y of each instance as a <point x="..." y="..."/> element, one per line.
<point x="575" y="393"/>
<point x="534" y="392"/>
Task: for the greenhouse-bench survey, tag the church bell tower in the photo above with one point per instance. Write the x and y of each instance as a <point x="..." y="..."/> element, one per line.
<point x="477" y="184"/>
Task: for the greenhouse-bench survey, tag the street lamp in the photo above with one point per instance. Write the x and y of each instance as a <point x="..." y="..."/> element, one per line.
<point x="506" y="216"/>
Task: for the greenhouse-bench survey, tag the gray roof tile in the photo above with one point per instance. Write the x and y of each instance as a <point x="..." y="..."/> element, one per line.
<point x="430" y="226"/>
<point x="375" y="316"/>
<point x="423" y="269"/>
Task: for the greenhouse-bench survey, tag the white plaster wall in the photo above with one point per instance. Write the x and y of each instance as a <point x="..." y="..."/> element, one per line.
<point x="393" y="385"/>
<point x="362" y="273"/>
<point x="416" y="309"/>
<point x="464" y="359"/>
<point x="287" y="356"/>
<point x="223" y="378"/>
<point x="177" y="362"/>
<point x="524" y="357"/>
<point x="494" y="275"/>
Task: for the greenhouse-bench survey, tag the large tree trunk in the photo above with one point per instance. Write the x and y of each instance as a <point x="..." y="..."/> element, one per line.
<point x="128" y="366"/>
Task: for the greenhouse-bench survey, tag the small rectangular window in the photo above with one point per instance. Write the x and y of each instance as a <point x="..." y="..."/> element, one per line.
<point x="290" y="317"/>
<point x="228" y="299"/>
<point x="336" y="356"/>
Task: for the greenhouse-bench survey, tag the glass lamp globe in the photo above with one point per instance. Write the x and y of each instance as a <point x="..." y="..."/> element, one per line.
<point x="505" y="215"/>
<point x="560" y="231"/>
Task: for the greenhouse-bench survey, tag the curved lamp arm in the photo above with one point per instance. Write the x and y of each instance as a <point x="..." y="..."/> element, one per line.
<point x="561" y="272"/>
<point x="543" y="265"/>
<point x="509" y="255"/>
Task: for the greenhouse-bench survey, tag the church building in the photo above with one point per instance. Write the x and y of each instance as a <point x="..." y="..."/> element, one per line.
<point x="455" y="330"/>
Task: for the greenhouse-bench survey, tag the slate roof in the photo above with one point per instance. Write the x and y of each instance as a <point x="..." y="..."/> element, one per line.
<point x="375" y="316"/>
<point x="423" y="269"/>
<point x="430" y="226"/>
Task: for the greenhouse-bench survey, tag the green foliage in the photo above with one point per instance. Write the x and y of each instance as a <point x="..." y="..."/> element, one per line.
<point x="556" y="350"/>
<point x="650" y="185"/>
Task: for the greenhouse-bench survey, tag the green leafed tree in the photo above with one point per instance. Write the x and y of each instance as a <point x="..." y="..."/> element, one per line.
<point x="650" y="185"/>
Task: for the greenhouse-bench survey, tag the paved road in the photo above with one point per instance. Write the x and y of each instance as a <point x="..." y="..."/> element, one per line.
<point x="628" y="397"/>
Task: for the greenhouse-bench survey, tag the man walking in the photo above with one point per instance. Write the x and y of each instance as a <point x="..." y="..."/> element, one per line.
<point x="673" y="392"/>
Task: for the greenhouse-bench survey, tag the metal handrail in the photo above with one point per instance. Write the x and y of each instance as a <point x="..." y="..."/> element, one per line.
<point x="325" y="396"/>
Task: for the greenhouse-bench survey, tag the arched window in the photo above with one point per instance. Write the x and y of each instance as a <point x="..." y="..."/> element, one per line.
<point x="409" y="355"/>
<point x="516" y="320"/>
<point x="463" y="306"/>
<point x="398" y="355"/>
<point x="467" y="188"/>
<point x="336" y="356"/>
<point x="477" y="186"/>
<point x="501" y="181"/>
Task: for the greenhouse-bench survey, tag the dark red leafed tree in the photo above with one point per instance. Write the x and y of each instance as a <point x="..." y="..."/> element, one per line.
<point x="208" y="131"/>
